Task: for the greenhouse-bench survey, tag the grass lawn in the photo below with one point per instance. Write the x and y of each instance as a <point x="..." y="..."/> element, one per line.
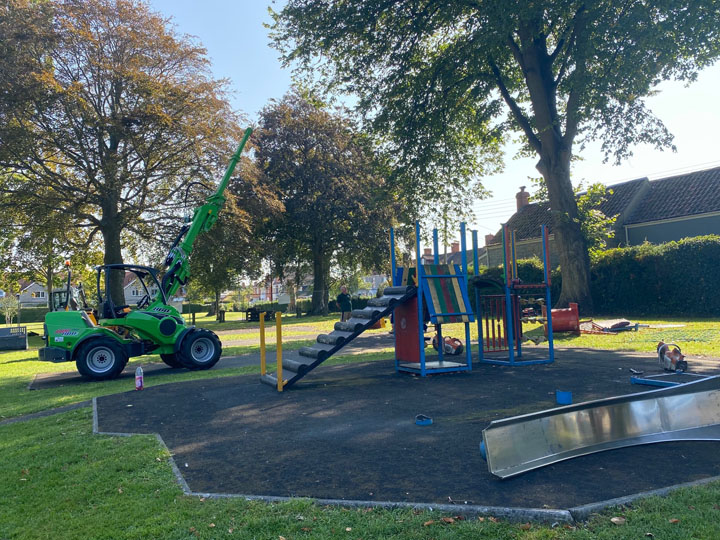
<point x="58" y="480"/>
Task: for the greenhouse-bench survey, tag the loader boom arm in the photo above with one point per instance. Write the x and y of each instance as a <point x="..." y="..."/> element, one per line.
<point x="203" y="219"/>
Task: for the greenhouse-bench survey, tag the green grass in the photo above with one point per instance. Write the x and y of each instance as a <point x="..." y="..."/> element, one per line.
<point x="17" y="368"/>
<point x="698" y="337"/>
<point x="58" y="480"/>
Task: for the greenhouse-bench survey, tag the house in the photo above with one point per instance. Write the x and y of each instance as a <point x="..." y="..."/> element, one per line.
<point x="371" y="284"/>
<point x="33" y="294"/>
<point x="455" y="255"/>
<point x="655" y="211"/>
<point x="133" y="289"/>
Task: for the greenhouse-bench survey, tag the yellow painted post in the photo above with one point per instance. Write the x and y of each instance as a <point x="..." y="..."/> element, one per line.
<point x="278" y="332"/>
<point x="263" y="368"/>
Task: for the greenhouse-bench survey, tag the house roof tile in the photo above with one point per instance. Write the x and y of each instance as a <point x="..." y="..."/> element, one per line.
<point x="527" y="221"/>
<point x="687" y="194"/>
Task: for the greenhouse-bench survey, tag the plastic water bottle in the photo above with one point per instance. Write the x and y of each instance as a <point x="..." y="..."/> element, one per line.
<point x="138" y="378"/>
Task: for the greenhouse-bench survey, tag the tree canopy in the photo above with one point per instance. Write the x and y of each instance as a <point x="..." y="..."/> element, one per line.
<point x="123" y="113"/>
<point x="327" y="177"/>
<point x="446" y="82"/>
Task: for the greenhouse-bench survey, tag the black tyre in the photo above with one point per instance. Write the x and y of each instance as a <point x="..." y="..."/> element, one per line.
<point x="171" y="360"/>
<point x="100" y="359"/>
<point x="199" y="350"/>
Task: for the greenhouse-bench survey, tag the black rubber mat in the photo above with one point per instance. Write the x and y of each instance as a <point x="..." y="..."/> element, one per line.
<point x="348" y="432"/>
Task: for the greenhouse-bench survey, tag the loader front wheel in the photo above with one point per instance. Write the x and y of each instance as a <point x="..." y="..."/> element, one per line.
<point x="171" y="360"/>
<point x="100" y="359"/>
<point x="200" y="349"/>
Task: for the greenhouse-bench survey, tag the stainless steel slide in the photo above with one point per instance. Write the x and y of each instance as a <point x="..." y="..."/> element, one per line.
<point x="681" y="413"/>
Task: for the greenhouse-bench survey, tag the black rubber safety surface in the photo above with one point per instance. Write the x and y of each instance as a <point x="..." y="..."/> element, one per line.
<point x="348" y="432"/>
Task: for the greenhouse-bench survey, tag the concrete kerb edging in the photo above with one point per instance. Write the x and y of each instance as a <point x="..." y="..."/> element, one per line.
<point x="571" y="515"/>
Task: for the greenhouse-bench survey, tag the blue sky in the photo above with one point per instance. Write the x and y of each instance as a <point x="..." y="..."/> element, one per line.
<point x="238" y="46"/>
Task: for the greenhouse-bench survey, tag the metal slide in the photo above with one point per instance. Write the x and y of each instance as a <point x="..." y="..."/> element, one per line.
<point x="685" y="412"/>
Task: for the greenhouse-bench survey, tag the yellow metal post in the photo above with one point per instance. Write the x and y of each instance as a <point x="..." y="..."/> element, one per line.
<point x="278" y="332"/>
<point x="263" y="368"/>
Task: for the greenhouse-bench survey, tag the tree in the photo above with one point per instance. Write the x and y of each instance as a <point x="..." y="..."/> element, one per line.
<point x="9" y="306"/>
<point x="327" y="178"/>
<point x="596" y="227"/>
<point x="122" y="114"/>
<point x="557" y="72"/>
<point x="229" y="250"/>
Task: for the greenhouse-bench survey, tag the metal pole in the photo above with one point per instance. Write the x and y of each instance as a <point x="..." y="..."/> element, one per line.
<point x="436" y="257"/>
<point x="263" y="367"/>
<point x="418" y="275"/>
<point x="478" y="310"/>
<point x="548" y="301"/>
<point x="508" y="302"/>
<point x="463" y="257"/>
<point x="278" y="332"/>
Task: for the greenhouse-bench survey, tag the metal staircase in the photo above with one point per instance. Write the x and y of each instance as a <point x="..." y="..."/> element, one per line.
<point x="299" y="363"/>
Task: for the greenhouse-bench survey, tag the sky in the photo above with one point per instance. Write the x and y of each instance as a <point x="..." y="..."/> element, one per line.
<point x="237" y="42"/>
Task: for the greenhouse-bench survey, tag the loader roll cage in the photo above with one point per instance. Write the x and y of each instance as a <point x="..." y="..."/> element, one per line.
<point x="107" y="307"/>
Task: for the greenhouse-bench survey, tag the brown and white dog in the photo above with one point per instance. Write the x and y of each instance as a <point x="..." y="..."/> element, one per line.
<point x="671" y="357"/>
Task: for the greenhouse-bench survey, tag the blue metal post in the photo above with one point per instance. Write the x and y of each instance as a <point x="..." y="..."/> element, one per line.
<point x="463" y="256"/>
<point x="436" y="259"/>
<point x="418" y="274"/>
<point x="517" y="277"/>
<point x="478" y="311"/>
<point x="508" y="299"/>
<point x="546" y="268"/>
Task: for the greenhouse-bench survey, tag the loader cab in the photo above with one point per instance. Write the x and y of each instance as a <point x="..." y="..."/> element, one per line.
<point x="141" y="281"/>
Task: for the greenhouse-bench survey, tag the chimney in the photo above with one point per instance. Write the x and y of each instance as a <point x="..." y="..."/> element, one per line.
<point x="489" y="239"/>
<point x="523" y="198"/>
<point x="455" y="247"/>
<point x="427" y="256"/>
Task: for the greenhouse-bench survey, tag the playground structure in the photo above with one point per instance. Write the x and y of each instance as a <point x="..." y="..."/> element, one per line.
<point x="686" y="412"/>
<point x="434" y="294"/>
<point x="500" y="317"/>
<point x="296" y="364"/>
<point x="442" y="297"/>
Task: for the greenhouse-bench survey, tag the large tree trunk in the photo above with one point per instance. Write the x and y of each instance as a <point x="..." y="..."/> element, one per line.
<point x="570" y="243"/>
<point x="321" y="273"/>
<point x="49" y="276"/>
<point x="113" y="255"/>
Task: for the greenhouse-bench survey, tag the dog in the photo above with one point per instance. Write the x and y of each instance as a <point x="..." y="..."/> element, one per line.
<point x="671" y="359"/>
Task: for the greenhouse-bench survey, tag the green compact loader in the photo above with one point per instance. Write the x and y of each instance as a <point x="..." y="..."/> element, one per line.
<point x="101" y="341"/>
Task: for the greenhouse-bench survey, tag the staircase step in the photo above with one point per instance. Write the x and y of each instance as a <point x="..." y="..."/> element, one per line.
<point x="398" y="290"/>
<point x="366" y="313"/>
<point x="385" y="301"/>
<point x="296" y="366"/>
<point x="269" y="379"/>
<point x="319" y="351"/>
<point x="353" y="325"/>
<point x="334" y="338"/>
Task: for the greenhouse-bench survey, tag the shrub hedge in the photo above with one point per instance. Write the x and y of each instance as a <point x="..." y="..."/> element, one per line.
<point x="671" y="279"/>
<point x="28" y="315"/>
<point x="676" y="278"/>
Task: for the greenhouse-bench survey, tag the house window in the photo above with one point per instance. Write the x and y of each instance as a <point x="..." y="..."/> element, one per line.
<point x="135" y="292"/>
<point x="38" y="294"/>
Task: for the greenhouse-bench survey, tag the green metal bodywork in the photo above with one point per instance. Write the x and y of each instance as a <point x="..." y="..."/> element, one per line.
<point x="139" y="331"/>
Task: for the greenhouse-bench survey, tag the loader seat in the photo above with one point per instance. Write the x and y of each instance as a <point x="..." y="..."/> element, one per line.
<point x="118" y="313"/>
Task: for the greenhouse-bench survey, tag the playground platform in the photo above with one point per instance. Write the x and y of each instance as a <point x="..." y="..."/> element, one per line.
<point x="349" y="433"/>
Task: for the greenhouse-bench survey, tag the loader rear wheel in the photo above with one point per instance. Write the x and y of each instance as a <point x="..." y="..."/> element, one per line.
<point x="171" y="360"/>
<point x="200" y="349"/>
<point x="100" y="359"/>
